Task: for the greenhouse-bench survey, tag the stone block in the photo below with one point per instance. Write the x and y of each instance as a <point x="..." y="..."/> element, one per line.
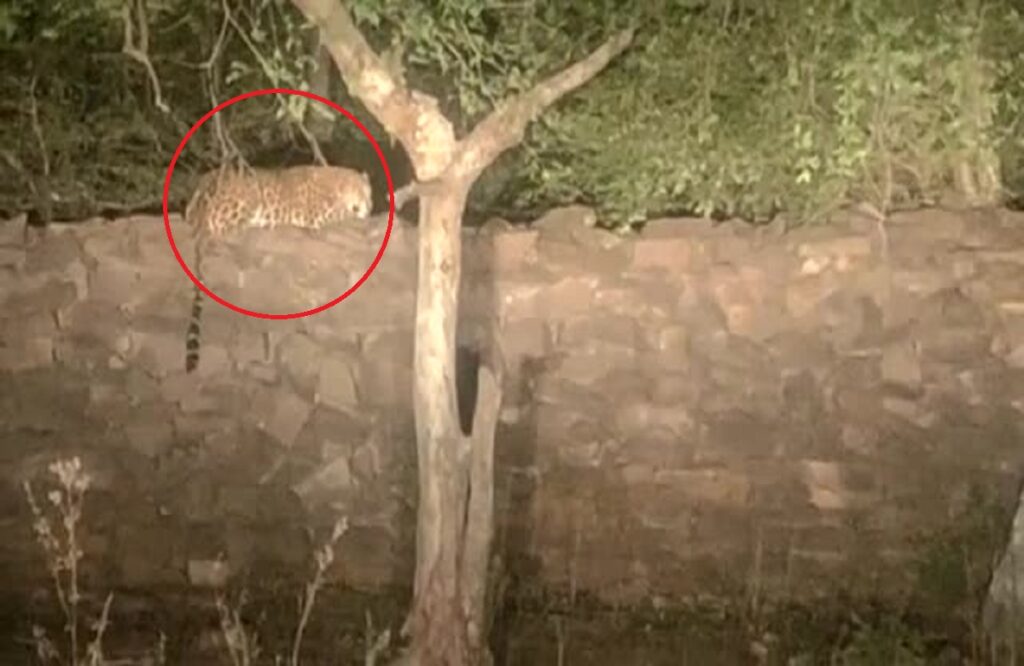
<point x="372" y="306"/>
<point x="831" y="486"/>
<point x="249" y="346"/>
<point x="656" y="506"/>
<point x="146" y="556"/>
<point x="589" y="368"/>
<point x="526" y="338"/>
<point x="669" y="347"/>
<point x="26" y="353"/>
<point x="509" y="251"/>
<point x="119" y="282"/>
<point x="562" y="299"/>
<point x="633" y="415"/>
<point x="561" y="424"/>
<point x="211" y="574"/>
<point x="49" y="295"/>
<point x="371" y="558"/>
<point x="159" y="354"/>
<point x="214" y="360"/>
<point x="109" y="239"/>
<point x="959" y="344"/>
<point x="594" y="250"/>
<point x="673" y="388"/>
<point x="149" y="436"/>
<point x="645" y="301"/>
<point x="653" y="449"/>
<point x="717" y="486"/>
<point x="615" y="330"/>
<point x="336" y="384"/>
<point x="901" y="366"/>
<point x="670" y="255"/>
<point x="13" y="257"/>
<point x="805" y="295"/>
<point x="56" y="254"/>
<point x="839" y="254"/>
<point x="300" y="357"/>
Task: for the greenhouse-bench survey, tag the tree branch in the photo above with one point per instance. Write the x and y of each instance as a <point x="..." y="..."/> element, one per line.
<point x="413" y="118"/>
<point x="505" y="127"/>
<point x="479" y="529"/>
<point x="138" y="50"/>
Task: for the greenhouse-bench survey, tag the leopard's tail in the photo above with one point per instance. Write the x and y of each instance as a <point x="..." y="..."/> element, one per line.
<point x="195" y="321"/>
<point x="194" y="332"/>
<point x="192" y="337"/>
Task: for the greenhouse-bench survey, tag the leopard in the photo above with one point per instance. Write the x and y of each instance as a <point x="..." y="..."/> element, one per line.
<point x="226" y="201"/>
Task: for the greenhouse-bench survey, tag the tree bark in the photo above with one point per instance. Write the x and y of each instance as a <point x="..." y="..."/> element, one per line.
<point x="320" y="83"/>
<point x="441" y="454"/>
<point x="447" y="622"/>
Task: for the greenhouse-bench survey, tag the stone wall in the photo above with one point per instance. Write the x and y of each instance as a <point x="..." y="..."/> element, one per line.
<point x="694" y="410"/>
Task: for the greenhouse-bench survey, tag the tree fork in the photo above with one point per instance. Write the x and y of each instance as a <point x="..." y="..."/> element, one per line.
<point x="456" y="472"/>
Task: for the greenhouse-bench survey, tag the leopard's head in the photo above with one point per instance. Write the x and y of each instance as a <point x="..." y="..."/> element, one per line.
<point x="359" y="201"/>
<point x="344" y="194"/>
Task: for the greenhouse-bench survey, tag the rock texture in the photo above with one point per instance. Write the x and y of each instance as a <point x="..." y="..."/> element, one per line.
<point x="692" y="410"/>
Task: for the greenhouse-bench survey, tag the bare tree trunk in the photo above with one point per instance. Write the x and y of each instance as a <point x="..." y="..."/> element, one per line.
<point x="440" y="447"/>
<point x="456" y="473"/>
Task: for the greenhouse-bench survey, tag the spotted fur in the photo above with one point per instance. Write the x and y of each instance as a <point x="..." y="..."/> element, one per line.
<point x="307" y="197"/>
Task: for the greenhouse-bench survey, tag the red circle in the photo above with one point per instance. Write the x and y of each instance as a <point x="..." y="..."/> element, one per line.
<point x="293" y="315"/>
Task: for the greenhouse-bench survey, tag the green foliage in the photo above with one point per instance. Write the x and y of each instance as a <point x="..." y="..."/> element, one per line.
<point x="887" y="644"/>
<point x="30" y="21"/>
<point x="1009" y="76"/>
<point x="80" y="126"/>
<point x="720" y="108"/>
<point x="746" y="109"/>
<point x="278" y="54"/>
<point x="468" y="53"/>
<point x="75" y="126"/>
<point x="472" y="53"/>
<point x="952" y="574"/>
